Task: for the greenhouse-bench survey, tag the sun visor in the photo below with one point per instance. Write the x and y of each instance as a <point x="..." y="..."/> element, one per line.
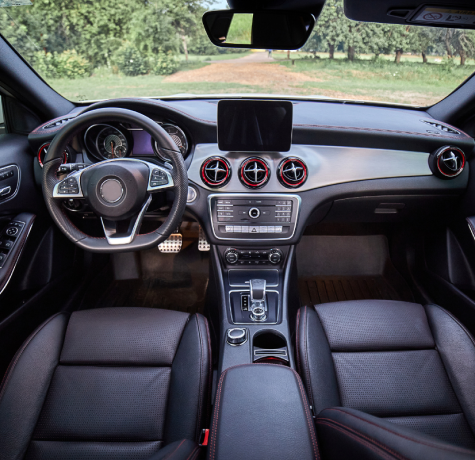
<point x="459" y="14"/>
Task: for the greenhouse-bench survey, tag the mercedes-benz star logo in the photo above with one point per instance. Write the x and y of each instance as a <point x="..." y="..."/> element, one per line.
<point x="293" y="172"/>
<point x="451" y="160"/>
<point x="214" y="169"/>
<point x="254" y="170"/>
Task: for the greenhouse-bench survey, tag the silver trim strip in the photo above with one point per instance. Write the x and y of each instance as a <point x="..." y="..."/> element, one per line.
<point x="255" y="196"/>
<point x="109" y="231"/>
<point x="257" y="323"/>
<point x="249" y="270"/>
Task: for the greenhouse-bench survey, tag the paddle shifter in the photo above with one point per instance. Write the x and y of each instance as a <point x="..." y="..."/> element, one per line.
<point x="258" y="300"/>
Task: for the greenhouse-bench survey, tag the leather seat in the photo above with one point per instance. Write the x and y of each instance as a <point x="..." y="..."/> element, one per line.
<point x="112" y="383"/>
<point x="388" y="379"/>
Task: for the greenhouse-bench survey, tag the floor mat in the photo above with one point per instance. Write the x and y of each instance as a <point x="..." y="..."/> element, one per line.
<point x="337" y="268"/>
<point x="319" y="290"/>
<point x="169" y="281"/>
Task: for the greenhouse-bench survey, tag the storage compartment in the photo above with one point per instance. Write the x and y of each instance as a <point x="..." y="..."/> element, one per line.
<point x="261" y="413"/>
<point x="270" y="347"/>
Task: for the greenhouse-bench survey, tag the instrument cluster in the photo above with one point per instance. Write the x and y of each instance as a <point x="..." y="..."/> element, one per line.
<point x="109" y="141"/>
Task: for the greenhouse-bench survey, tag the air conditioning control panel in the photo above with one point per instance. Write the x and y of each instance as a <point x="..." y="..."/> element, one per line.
<point x="251" y="217"/>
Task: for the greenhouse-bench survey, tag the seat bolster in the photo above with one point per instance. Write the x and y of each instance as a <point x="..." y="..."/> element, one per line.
<point x="315" y="361"/>
<point x="456" y="347"/>
<point x="178" y="450"/>
<point x="190" y="386"/>
<point x="347" y="433"/>
<point x="25" y="385"/>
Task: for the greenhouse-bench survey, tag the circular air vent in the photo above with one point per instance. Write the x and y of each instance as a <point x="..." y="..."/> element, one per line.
<point x="42" y="153"/>
<point x="292" y="172"/>
<point x="254" y="172"/>
<point x="447" y="162"/>
<point x="215" y="172"/>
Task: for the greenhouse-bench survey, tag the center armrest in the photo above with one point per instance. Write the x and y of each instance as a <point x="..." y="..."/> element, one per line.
<point x="261" y="411"/>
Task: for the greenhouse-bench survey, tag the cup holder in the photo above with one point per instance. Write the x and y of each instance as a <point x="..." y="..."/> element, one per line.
<point x="270" y="347"/>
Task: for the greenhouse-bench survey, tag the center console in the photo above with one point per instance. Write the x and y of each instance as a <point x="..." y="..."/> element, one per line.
<point x="267" y="412"/>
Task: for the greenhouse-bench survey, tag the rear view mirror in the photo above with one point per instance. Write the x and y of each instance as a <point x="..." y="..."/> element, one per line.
<point x="283" y="30"/>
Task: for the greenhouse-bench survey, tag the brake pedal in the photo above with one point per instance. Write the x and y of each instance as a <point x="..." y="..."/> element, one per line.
<point x="203" y="244"/>
<point x="172" y="244"/>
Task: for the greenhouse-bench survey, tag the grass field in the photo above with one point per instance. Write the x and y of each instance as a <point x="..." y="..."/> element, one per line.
<point x="410" y="82"/>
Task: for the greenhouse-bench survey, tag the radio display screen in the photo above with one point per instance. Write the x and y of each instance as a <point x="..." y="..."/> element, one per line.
<point x="254" y="126"/>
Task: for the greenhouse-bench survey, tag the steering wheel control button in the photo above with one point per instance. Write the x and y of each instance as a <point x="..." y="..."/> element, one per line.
<point x="236" y="336"/>
<point x="158" y="178"/>
<point x="111" y="191"/>
<point x="69" y="186"/>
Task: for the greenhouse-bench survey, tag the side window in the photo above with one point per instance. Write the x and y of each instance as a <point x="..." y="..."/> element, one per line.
<point x="2" y="121"/>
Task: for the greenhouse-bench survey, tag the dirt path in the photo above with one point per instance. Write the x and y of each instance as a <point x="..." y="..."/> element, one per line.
<point x="249" y="70"/>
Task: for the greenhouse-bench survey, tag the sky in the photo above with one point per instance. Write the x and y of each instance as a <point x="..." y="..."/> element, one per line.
<point x="220" y="5"/>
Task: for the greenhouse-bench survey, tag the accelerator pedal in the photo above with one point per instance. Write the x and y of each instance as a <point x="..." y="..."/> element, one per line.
<point x="172" y="244"/>
<point x="203" y="244"/>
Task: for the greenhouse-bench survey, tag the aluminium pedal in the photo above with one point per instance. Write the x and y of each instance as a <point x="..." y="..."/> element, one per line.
<point x="172" y="244"/>
<point x="203" y="244"/>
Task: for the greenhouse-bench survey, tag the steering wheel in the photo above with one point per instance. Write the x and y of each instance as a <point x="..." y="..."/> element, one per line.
<point x="118" y="190"/>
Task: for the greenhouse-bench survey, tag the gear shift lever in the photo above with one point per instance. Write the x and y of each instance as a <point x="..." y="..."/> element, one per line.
<point x="258" y="300"/>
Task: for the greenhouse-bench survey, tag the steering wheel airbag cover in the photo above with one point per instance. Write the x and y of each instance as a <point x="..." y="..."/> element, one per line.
<point x="132" y="178"/>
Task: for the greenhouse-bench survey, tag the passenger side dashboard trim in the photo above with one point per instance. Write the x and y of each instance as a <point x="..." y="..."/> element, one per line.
<point x="327" y="165"/>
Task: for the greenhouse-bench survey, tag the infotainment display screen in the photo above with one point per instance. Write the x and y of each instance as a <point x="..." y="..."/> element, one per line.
<point x="254" y="126"/>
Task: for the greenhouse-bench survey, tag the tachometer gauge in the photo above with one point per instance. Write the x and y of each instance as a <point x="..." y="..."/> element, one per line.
<point x="178" y="136"/>
<point x="111" y="143"/>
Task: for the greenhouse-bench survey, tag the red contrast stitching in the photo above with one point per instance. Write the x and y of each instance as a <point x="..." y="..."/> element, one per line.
<point x="297" y="342"/>
<point x="218" y="401"/>
<point x="15" y="360"/>
<point x="192" y="453"/>
<point x="384" y="453"/>
<point x="200" y="403"/>
<point x="174" y="450"/>
<point x="437" y="446"/>
<point x="378" y="130"/>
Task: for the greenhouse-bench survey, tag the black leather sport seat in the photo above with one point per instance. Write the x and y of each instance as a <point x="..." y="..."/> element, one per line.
<point x="388" y="379"/>
<point x="112" y="383"/>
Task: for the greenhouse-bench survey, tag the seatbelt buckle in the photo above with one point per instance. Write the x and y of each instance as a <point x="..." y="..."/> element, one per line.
<point x="204" y="437"/>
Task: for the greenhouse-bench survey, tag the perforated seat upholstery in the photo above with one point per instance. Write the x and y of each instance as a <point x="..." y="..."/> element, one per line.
<point x="112" y="383"/>
<point x="404" y="366"/>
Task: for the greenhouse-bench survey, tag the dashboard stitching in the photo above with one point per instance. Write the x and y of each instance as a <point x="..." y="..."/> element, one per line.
<point x="385" y="131"/>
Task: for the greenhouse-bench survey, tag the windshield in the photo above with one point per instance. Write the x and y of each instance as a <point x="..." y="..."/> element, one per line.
<point x="90" y="50"/>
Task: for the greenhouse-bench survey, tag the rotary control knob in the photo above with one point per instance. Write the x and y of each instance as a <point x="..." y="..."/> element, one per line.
<point x="275" y="256"/>
<point x="236" y="336"/>
<point x="258" y="314"/>
<point x="231" y="256"/>
<point x="254" y="213"/>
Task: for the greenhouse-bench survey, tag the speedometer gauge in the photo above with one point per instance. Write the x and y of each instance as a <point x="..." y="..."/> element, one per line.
<point x="178" y="136"/>
<point x="111" y="143"/>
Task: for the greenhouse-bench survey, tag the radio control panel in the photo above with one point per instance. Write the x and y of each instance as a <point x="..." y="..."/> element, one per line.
<point x="237" y="216"/>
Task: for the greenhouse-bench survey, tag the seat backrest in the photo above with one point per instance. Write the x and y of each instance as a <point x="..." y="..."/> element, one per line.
<point x="106" y="383"/>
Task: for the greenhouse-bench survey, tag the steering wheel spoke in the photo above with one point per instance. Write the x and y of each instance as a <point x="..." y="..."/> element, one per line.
<point x="115" y="235"/>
